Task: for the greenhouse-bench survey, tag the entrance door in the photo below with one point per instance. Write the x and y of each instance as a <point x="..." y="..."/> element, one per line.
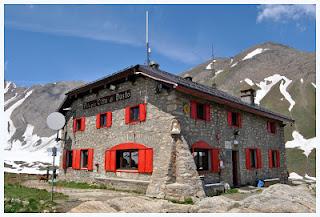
<point x="235" y="161"/>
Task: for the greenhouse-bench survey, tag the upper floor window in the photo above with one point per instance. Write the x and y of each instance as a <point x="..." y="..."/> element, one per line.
<point x="234" y="119"/>
<point x="104" y="120"/>
<point x="135" y="114"/>
<point x="200" y="111"/>
<point x="79" y="124"/>
<point x="271" y="126"/>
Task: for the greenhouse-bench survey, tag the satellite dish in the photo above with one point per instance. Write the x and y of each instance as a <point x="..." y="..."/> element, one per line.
<point x="56" y="121"/>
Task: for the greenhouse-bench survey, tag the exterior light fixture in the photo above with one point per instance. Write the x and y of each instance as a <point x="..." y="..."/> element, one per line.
<point x="112" y="87"/>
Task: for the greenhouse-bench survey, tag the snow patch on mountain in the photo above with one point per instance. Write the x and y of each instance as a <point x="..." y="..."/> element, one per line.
<point x="255" y="52"/>
<point x="300" y="142"/>
<point x="209" y="66"/>
<point x="310" y="177"/>
<point x="249" y="81"/>
<point x="7" y="85"/>
<point x="301" y="80"/>
<point x="294" y="175"/>
<point x="11" y="99"/>
<point x="266" y="85"/>
<point x="7" y="120"/>
<point x="234" y="64"/>
<point x="313" y="84"/>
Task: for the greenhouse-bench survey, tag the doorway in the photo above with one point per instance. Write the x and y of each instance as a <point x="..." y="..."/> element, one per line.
<point x="235" y="162"/>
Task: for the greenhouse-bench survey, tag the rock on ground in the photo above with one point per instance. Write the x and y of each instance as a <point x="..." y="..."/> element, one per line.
<point x="93" y="207"/>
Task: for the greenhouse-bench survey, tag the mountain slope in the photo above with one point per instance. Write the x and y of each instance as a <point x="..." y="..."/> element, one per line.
<point x="284" y="79"/>
<point x="27" y="137"/>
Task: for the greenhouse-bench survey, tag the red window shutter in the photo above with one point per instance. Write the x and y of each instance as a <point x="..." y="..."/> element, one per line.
<point x="278" y="158"/>
<point x="143" y="112"/>
<point x="215" y="161"/>
<point x="239" y="120"/>
<point x="141" y="160"/>
<point x="98" y="121"/>
<point x="76" y="159"/>
<point x="259" y="160"/>
<point x="127" y="115"/>
<point x="64" y="159"/>
<point x="109" y="119"/>
<point x="149" y="160"/>
<point x="110" y="160"/>
<point x="270" y="158"/>
<point x="90" y="159"/>
<point x="74" y="125"/>
<point x="193" y="110"/>
<point x="230" y="118"/>
<point x="207" y="112"/>
<point x="83" y="124"/>
<point x="248" y="163"/>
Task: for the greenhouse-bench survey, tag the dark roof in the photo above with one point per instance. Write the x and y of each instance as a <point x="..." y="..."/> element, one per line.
<point x="184" y="84"/>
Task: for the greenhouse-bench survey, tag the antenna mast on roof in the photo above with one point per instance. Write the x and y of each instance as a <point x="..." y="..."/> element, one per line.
<point x="147" y="38"/>
<point x="214" y="85"/>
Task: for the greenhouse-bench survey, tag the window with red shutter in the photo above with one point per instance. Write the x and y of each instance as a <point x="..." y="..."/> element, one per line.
<point x="79" y="124"/>
<point x="98" y="121"/>
<point x="109" y="119"/>
<point x="259" y="159"/>
<point x="83" y="124"/>
<point x="253" y="158"/>
<point x="234" y="119"/>
<point x="129" y="157"/>
<point x="76" y="159"/>
<point x="200" y="111"/>
<point x="271" y="126"/>
<point x="136" y="113"/>
<point x="215" y="162"/>
<point x="274" y="158"/>
<point x="90" y="159"/>
<point x="193" y="109"/>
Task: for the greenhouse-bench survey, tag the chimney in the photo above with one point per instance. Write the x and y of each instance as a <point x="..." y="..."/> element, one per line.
<point x="189" y="78"/>
<point x="248" y="95"/>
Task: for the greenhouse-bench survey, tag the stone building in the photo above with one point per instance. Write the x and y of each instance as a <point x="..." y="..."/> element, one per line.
<point x="147" y="130"/>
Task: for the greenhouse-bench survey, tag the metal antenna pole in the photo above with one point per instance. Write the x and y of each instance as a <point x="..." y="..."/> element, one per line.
<point x="147" y="38"/>
<point x="212" y="68"/>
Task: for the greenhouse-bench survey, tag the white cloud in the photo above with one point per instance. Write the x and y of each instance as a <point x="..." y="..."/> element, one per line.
<point x="283" y="13"/>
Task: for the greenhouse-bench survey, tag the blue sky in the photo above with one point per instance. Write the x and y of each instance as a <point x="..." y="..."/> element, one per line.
<point x="49" y="43"/>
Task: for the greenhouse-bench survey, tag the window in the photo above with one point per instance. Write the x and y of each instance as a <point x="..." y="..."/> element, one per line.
<point x="78" y="124"/>
<point x="69" y="158"/>
<point x="134" y="113"/>
<point x="271" y="126"/>
<point x="201" y="158"/>
<point x="103" y="120"/>
<point x="127" y="159"/>
<point x="253" y="158"/>
<point x="234" y="119"/>
<point x="200" y="111"/>
<point x="274" y="158"/>
<point x="84" y="158"/>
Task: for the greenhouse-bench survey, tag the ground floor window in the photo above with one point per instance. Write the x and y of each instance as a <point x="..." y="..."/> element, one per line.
<point x="69" y="158"/>
<point x="127" y="159"/>
<point x="84" y="158"/>
<point x="274" y="158"/>
<point x="253" y="158"/>
<point x="201" y="158"/>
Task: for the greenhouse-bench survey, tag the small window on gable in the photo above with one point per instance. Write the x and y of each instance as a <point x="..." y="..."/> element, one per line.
<point x="271" y="127"/>
<point x="200" y="111"/>
<point x="134" y="114"/>
<point x="78" y="124"/>
<point x="103" y="120"/>
<point x="84" y="159"/>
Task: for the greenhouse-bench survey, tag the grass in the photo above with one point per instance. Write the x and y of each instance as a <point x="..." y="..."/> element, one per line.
<point x="22" y="199"/>
<point x="231" y="191"/>
<point x="186" y="201"/>
<point x="83" y="185"/>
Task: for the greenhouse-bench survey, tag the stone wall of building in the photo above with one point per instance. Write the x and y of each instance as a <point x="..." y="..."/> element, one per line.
<point x="218" y="134"/>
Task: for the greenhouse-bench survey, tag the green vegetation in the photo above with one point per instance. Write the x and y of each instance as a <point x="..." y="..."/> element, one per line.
<point x="187" y="200"/>
<point x="297" y="162"/>
<point x="232" y="191"/>
<point x="83" y="185"/>
<point x="22" y="199"/>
